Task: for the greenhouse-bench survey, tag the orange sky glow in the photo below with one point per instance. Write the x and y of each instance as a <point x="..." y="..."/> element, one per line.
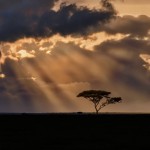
<point x="54" y="69"/>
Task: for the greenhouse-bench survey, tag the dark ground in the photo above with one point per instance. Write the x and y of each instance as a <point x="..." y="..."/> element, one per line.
<point x="75" y="131"/>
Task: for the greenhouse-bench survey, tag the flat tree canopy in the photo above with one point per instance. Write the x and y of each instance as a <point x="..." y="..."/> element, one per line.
<point x="96" y="96"/>
<point x="93" y="94"/>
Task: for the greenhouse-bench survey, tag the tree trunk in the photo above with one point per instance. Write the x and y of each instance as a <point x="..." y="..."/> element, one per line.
<point x="96" y="108"/>
<point x="96" y="111"/>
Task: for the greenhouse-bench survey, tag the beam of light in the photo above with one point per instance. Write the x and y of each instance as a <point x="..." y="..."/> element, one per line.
<point x="79" y="60"/>
<point x="23" y="81"/>
<point x="56" y="96"/>
<point x="53" y="77"/>
<point x="55" y="99"/>
<point x="68" y="67"/>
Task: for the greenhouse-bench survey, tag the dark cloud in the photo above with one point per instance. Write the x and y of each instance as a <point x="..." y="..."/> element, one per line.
<point x="134" y="26"/>
<point x="26" y="6"/>
<point x="19" y="18"/>
<point x="129" y="70"/>
<point x="31" y="18"/>
<point x="127" y="44"/>
<point x="126" y="51"/>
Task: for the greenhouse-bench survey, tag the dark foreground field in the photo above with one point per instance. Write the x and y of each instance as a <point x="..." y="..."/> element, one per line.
<point x="75" y="131"/>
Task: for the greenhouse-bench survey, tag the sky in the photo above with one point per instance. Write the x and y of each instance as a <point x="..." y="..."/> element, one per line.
<point x="51" y="50"/>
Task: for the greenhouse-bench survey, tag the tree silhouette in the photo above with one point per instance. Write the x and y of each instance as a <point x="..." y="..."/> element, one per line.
<point x="97" y="96"/>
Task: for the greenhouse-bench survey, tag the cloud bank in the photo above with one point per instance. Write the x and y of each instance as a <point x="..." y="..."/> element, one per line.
<point x="31" y="18"/>
<point x="134" y="26"/>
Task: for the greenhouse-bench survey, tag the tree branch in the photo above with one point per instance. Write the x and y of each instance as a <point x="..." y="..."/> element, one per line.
<point x="103" y="105"/>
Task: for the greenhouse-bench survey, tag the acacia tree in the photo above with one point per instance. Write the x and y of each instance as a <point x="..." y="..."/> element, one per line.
<point x="97" y="96"/>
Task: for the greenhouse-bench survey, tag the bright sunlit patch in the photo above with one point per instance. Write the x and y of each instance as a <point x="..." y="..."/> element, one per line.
<point x="33" y="78"/>
<point x="32" y="52"/>
<point x="97" y="38"/>
<point x="2" y="75"/>
<point x="43" y="48"/>
<point x="146" y="38"/>
<point x="146" y="59"/>
<point x="24" y="53"/>
<point x="48" y="52"/>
